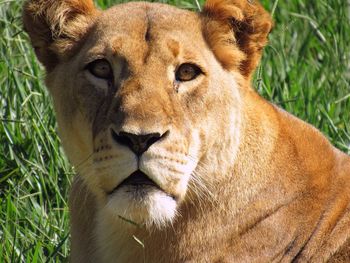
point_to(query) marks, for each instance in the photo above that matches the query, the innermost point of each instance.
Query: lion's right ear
(55, 27)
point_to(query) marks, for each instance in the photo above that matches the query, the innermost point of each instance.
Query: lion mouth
(137, 181)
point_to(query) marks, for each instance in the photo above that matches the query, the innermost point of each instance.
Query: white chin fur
(154, 208)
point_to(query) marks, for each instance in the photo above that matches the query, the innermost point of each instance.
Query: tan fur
(241, 180)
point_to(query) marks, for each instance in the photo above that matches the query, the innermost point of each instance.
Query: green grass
(306, 70)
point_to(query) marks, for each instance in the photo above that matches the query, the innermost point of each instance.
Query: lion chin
(141, 201)
(178, 158)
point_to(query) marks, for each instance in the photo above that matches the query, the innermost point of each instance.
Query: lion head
(147, 96)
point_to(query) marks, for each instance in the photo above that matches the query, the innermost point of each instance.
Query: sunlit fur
(237, 179)
(156, 208)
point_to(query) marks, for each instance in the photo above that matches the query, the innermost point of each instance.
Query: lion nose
(138, 143)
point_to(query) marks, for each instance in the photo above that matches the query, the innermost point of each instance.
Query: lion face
(144, 93)
(142, 101)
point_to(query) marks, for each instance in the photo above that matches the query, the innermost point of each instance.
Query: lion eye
(187, 72)
(101, 69)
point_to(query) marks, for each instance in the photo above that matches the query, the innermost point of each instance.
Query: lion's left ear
(236, 31)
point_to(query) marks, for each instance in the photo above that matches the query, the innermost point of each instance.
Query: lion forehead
(136, 20)
(164, 16)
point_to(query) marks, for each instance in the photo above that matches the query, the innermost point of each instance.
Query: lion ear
(55, 27)
(236, 31)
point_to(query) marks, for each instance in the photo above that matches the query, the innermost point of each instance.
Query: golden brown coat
(241, 180)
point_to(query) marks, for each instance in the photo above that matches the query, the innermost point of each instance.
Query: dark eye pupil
(187, 72)
(101, 69)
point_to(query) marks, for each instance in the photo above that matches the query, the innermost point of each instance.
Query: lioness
(179, 159)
